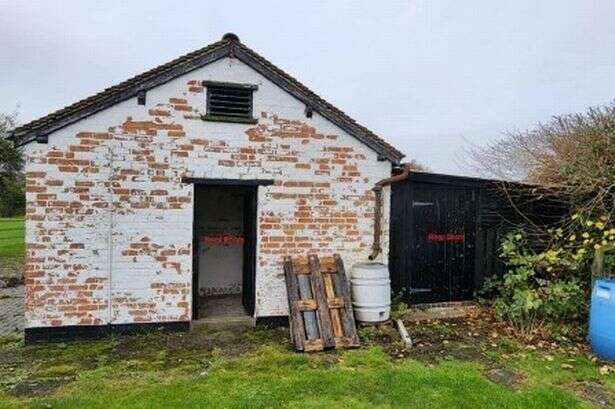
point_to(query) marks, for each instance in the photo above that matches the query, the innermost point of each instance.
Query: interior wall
(220, 233)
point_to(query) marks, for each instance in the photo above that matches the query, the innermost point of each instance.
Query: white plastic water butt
(371, 292)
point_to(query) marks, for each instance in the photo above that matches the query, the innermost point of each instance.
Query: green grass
(12, 237)
(257, 368)
(278, 378)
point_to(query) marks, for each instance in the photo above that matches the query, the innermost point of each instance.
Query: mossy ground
(257, 368)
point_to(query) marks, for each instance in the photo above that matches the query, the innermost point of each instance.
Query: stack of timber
(319, 302)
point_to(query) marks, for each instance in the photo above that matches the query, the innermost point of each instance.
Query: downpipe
(376, 248)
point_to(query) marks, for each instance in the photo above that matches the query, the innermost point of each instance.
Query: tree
(570, 161)
(417, 166)
(573, 156)
(12, 195)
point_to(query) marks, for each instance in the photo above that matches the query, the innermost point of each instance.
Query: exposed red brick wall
(110, 223)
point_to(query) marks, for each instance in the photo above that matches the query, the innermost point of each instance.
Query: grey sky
(429, 76)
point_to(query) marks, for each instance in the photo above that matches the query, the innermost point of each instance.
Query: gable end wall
(109, 223)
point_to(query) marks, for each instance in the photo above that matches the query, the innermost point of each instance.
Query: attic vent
(229, 102)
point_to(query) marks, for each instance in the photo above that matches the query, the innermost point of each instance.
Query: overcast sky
(429, 76)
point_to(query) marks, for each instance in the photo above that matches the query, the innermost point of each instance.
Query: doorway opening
(224, 242)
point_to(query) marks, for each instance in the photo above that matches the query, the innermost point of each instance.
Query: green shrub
(540, 286)
(12, 196)
(399, 307)
(12, 186)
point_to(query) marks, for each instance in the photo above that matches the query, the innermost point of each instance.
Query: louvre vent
(229, 102)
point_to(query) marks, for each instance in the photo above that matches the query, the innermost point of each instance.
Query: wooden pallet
(319, 302)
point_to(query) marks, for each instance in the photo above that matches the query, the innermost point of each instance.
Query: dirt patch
(35, 387)
(504, 376)
(432, 341)
(596, 393)
(455, 338)
(469, 337)
(12, 358)
(11, 272)
(198, 344)
(428, 313)
(10, 282)
(385, 336)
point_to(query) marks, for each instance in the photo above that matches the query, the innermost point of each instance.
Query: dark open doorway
(224, 241)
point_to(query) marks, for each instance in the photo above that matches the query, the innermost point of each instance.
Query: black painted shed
(445, 232)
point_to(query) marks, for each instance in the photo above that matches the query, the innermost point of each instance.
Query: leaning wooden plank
(336, 321)
(313, 345)
(347, 315)
(295, 319)
(309, 314)
(345, 342)
(323, 310)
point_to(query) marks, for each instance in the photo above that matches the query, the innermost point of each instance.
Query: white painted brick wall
(141, 288)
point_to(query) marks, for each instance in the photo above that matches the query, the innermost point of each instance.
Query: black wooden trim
(141, 97)
(309, 111)
(42, 138)
(250, 228)
(443, 179)
(127, 329)
(273, 321)
(229, 84)
(233, 119)
(84, 332)
(228, 182)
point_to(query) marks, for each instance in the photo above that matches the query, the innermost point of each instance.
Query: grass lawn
(256, 368)
(12, 237)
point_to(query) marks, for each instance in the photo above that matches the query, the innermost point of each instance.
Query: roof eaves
(229, 45)
(296, 88)
(120, 92)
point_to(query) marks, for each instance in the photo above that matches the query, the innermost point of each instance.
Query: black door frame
(248, 287)
(250, 237)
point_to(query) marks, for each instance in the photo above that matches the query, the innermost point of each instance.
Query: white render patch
(109, 223)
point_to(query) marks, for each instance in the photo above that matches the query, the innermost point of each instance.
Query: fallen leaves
(480, 336)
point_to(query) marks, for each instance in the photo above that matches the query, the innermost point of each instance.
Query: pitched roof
(228, 46)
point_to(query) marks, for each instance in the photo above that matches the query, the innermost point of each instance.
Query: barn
(173, 196)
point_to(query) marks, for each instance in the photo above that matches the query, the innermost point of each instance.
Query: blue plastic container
(602, 319)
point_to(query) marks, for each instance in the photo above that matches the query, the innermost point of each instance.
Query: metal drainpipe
(376, 248)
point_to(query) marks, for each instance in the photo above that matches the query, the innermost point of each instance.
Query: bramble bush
(549, 281)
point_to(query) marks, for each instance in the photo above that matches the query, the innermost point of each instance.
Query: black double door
(441, 250)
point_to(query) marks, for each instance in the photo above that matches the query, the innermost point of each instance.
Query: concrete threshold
(448, 310)
(224, 321)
